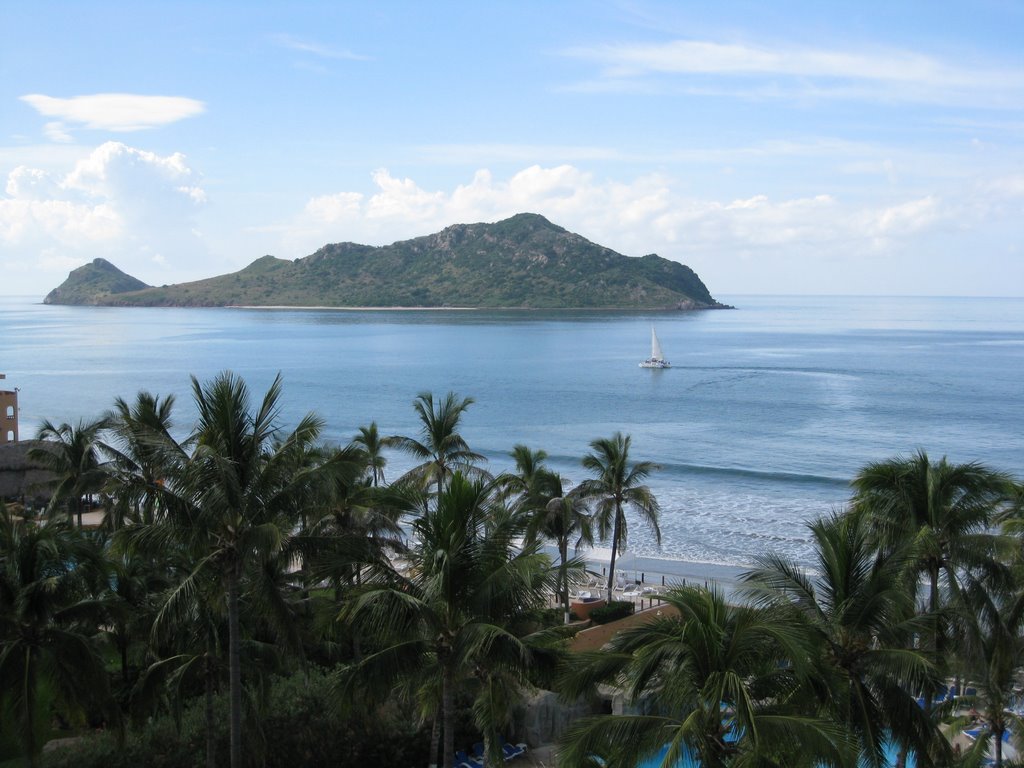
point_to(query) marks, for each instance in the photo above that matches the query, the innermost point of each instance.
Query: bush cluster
(613, 611)
(301, 727)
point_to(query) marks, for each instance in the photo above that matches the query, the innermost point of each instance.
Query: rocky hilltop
(95, 283)
(521, 262)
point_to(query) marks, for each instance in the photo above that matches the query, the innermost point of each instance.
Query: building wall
(8, 416)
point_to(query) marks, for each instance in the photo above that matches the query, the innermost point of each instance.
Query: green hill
(521, 262)
(95, 283)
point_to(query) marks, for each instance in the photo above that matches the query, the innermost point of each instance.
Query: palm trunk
(211, 742)
(29, 699)
(435, 740)
(487, 748)
(936, 640)
(563, 577)
(122, 645)
(448, 712)
(234, 667)
(616, 530)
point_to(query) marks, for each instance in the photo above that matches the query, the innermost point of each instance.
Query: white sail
(657, 358)
(656, 353)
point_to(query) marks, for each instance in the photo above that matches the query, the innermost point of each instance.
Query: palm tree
(441, 448)
(186, 641)
(46, 619)
(141, 450)
(994, 654)
(452, 609)
(944, 512)
(705, 677)
(858, 616)
(615, 489)
(229, 504)
(73, 454)
(354, 522)
(370, 441)
(530, 470)
(560, 515)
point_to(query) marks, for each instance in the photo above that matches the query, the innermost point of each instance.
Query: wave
(797, 478)
(678, 469)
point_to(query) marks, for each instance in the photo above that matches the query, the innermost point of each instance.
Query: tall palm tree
(560, 515)
(944, 512)
(370, 440)
(74, 454)
(229, 505)
(141, 449)
(993, 630)
(705, 677)
(354, 521)
(441, 449)
(47, 618)
(615, 489)
(451, 611)
(858, 615)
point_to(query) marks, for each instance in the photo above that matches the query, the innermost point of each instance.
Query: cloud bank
(753, 244)
(133, 207)
(139, 210)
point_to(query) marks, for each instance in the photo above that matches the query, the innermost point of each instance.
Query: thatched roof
(20, 477)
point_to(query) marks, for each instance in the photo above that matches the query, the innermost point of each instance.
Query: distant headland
(524, 262)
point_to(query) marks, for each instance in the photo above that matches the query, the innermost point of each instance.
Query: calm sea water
(758, 427)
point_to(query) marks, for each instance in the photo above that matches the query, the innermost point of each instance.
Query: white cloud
(55, 131)
(645, 215)
(122, 203)
(121, 112)
(317, 49)
(754, 243)
(761, 72)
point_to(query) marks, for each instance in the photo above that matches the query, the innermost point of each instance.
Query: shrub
(301, 728)
(613, 611)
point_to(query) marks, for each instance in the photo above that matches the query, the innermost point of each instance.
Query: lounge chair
(512, 751)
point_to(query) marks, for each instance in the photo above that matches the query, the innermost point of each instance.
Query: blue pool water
(689, 762)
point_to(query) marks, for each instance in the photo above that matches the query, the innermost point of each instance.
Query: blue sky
(866, 148)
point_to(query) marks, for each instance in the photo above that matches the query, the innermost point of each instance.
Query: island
(523, 262)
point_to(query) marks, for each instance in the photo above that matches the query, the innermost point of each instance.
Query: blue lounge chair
(512, 751)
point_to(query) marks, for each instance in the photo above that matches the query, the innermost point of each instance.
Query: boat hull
(655, 364)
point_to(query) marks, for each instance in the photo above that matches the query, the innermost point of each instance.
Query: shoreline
(660, 572)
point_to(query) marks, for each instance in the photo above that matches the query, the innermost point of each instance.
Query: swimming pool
(689, 762)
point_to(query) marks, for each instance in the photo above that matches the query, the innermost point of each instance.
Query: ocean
(766, 414)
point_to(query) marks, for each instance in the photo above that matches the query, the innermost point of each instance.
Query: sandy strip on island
(355, 309)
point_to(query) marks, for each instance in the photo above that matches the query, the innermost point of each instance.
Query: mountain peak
(92, 283)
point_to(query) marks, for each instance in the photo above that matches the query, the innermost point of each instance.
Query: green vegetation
(521, 262)
(613, 611)
(258, 597)
(94, 283)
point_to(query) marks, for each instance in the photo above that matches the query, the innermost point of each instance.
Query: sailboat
(657, 358)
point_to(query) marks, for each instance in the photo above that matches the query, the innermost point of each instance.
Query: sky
(784, 147)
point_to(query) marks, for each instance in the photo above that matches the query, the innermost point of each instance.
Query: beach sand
(661, 572)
